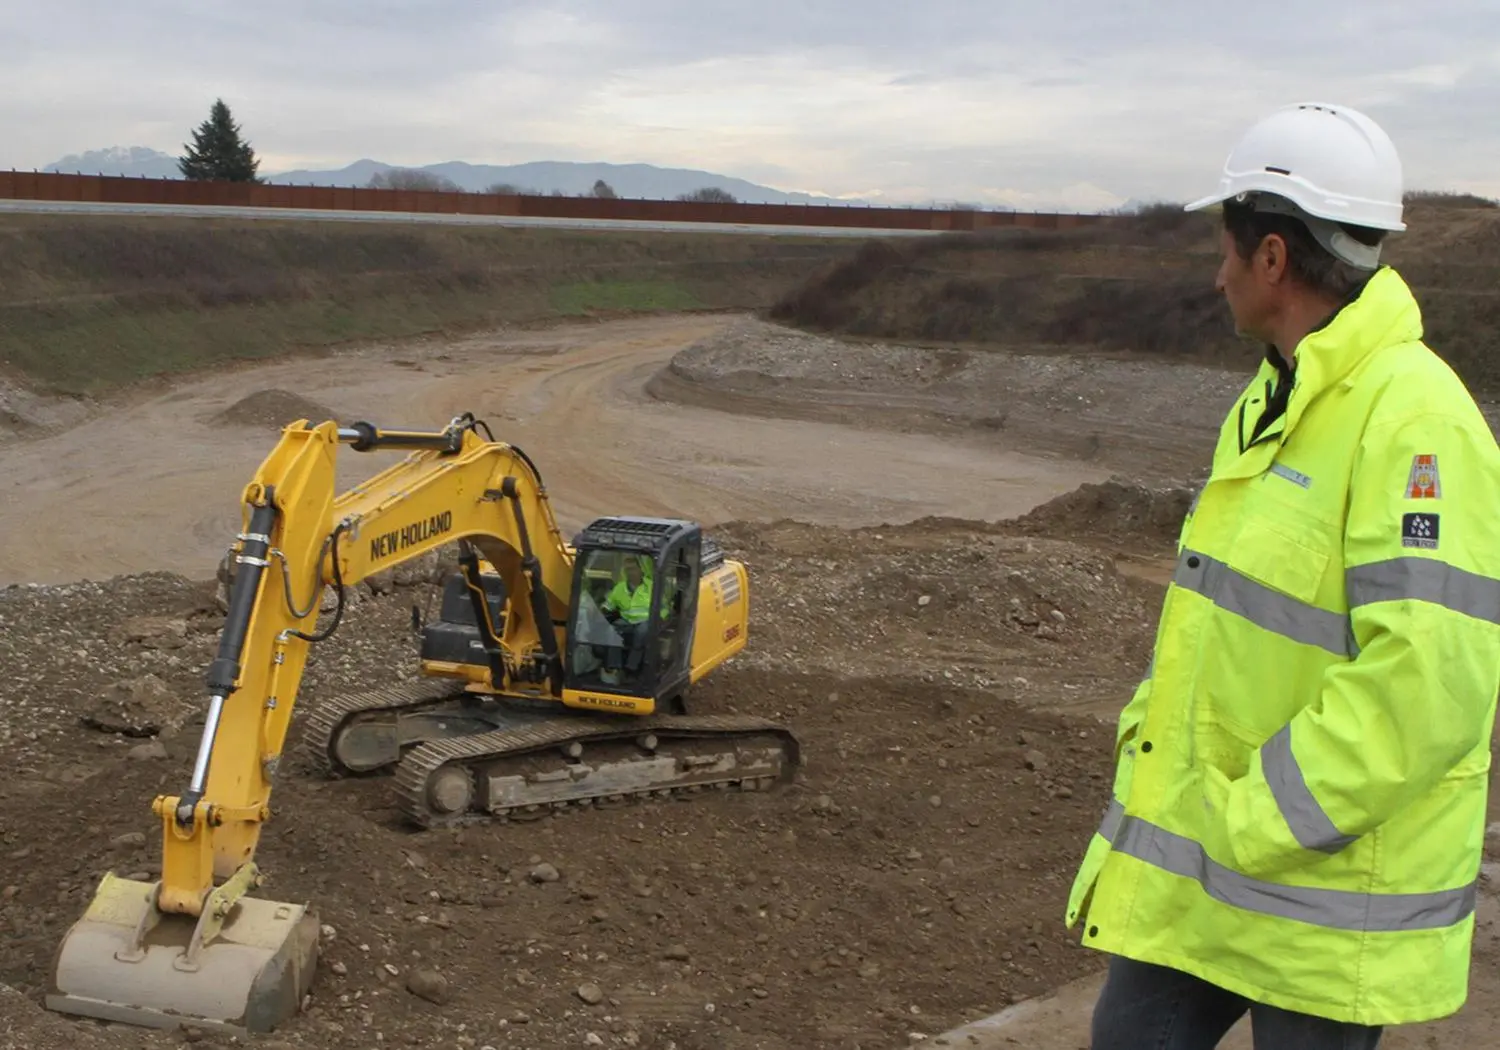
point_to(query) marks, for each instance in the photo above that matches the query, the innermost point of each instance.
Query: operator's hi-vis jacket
(1299, 798)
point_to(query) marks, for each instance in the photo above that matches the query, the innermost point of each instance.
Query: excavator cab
(609, 660)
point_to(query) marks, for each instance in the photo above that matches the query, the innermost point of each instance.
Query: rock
(924, 601)
(1035, 760)
(138, 707)
(677, 953)
(1059, 616)
(129, 840)
(151, 632)
(544, 873)
(147, 751)
(591, 993)
(594, 1039)
(428, 984)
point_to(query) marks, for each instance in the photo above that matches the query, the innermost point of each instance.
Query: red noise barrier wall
(109, 189)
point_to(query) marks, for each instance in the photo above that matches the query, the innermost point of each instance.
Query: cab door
(675, 612)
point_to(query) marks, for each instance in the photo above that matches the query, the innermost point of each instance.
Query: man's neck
(1303, 313)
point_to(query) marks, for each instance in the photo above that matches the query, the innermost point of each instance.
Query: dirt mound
(1116, 511)
(961, 603)
(1143, 287)
(273, 409)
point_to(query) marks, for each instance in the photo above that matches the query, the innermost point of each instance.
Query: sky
(1076, 103)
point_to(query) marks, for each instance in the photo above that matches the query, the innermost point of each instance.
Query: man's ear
(1271, 258)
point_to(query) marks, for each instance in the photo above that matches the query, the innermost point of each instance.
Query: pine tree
(217, 151)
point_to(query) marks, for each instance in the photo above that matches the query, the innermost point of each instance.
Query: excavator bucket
(126, 960)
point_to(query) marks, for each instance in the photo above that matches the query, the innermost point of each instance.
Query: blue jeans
(1147, 1007)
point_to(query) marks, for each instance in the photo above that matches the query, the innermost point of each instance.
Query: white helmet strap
(1325, 231)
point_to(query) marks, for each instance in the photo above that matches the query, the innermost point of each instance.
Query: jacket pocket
(1276, 558)
(1267, 645)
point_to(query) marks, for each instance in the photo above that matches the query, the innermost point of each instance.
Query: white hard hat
(1330, 161)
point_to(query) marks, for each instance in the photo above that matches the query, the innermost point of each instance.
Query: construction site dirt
(955, 563)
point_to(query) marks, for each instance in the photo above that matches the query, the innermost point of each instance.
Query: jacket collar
(1382, 313)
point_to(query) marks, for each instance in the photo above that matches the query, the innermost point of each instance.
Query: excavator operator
(626, 608)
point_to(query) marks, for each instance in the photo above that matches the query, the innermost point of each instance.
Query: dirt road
(98, 497)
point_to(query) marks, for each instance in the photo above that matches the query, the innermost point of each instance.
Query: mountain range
(640, 181)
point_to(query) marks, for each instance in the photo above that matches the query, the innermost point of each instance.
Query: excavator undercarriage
(557, 675)
(457, 758)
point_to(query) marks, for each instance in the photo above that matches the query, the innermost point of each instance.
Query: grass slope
(1145, 287)
(88, 303)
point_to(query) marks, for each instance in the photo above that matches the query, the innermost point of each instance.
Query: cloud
(1082, 103)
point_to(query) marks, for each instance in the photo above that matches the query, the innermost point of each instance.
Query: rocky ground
(908, 880)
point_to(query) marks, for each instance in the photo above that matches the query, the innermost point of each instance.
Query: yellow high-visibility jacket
(1298, 809)
(633, 606)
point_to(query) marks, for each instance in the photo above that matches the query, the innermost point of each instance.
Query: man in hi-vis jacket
(1298, 809)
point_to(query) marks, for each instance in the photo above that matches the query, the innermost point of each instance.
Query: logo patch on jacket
(1424, 482)
(1419, 530)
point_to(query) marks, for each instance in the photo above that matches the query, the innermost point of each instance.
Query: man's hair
(1310, 263)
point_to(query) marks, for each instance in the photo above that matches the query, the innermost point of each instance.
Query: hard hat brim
(1213, 200)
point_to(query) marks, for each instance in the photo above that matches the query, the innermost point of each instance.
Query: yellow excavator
(557, 674)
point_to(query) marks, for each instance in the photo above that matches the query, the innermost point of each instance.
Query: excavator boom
(195, 946)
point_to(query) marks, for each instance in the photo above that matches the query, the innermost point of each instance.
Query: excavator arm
(298, 537)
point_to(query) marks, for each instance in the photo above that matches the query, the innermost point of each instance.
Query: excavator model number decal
(388, 543)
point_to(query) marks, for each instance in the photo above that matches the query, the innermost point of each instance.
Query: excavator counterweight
(557, 675)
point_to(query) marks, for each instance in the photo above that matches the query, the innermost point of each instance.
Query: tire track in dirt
(153, 481)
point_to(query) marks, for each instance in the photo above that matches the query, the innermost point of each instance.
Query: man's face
(633, 574)
(1250, 285)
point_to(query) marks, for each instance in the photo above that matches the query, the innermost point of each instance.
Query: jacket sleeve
(1416, 699)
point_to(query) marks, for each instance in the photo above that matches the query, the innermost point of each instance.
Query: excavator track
(572, 760)
(332, 717)
(459, 760)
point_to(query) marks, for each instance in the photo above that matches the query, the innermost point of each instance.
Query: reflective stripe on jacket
(1299, 798)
